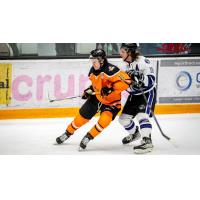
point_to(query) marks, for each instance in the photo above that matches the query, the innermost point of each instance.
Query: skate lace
(63, 137)
(129, 137)
(85, 140)
(147, 140)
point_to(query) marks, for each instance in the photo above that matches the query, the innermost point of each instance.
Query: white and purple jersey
(142, 65)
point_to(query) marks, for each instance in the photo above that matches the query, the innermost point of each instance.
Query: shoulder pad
(111, 69)
(145, 60)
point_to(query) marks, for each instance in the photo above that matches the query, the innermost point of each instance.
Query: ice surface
(37, 136)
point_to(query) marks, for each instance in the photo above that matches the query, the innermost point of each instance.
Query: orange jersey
(112, 77)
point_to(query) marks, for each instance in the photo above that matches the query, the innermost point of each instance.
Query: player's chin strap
(127, 57)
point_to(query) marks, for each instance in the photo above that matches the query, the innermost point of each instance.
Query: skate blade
(55, 143)
(81, 149)
(142, 151)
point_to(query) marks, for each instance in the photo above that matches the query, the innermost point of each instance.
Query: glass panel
(77, 50)
(110, 48)
(4, 49)
(46, 49)
(65, 49)
(85, 48)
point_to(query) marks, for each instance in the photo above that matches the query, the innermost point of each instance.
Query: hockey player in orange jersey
(104, 96)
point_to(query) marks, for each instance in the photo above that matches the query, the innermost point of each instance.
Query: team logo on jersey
(111, 68)
(147, 61)
(142, 107)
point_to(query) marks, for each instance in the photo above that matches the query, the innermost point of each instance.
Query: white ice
(37, 137)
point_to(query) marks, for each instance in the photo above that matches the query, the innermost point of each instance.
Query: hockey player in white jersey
(141, 100)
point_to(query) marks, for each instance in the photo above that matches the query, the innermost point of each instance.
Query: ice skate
(62, 138)
(84, 142)
(146, 146)
(132, 137)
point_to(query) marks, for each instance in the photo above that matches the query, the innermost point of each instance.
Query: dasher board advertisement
(179, 81)
(36, 82)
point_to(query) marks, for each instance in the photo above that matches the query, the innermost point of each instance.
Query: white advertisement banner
(179, 81)
(35, 82)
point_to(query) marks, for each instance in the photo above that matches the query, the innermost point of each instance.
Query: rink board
(71, 112)
(35, 82)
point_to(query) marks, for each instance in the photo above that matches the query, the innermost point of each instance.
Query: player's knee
(80, 121)
(141, 116)
(105, 119)
(125, 119)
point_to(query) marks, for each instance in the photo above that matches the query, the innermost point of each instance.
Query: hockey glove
(137, 78)
(88, 92)
(105, 91)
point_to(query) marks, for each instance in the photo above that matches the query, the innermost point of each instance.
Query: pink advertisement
(36, 82)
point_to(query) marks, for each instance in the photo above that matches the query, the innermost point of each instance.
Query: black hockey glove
(105, 91)
(137, 78)
(88, 92)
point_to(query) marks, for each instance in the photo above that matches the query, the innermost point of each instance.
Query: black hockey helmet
(98, 53)
(129, 46)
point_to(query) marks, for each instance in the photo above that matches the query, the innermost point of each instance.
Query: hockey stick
(146, 101)
(154, 117)
(67, 98)
(53, 100)
(158, 125)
